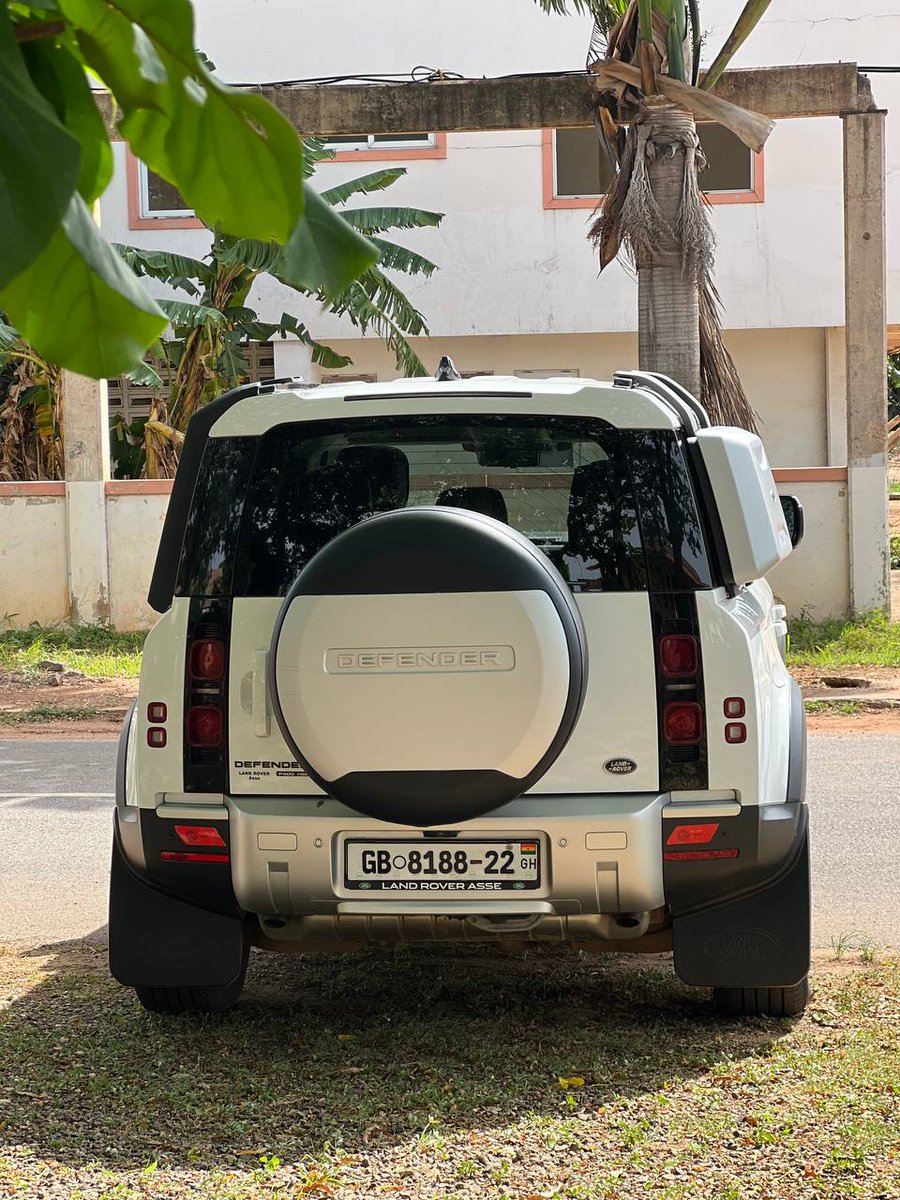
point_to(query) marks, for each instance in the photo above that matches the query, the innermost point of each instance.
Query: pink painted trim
(138, 487)
(755, 196)
(135, 218)
(810, 474)
(47, 487)
(392, 153)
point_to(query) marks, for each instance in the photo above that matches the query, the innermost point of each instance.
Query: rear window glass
(263, 507)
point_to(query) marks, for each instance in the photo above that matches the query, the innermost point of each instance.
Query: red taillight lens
(208, 659)
(191, 857)
(678, 655)
(204, 725)
(697, 855)
(683, 723)
(199, 835)
(692, 835)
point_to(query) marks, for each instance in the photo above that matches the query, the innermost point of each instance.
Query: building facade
(517, 290)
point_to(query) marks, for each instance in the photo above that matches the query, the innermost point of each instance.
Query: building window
(577, 175)
(159, 198)
(388, 147)
(153, 203)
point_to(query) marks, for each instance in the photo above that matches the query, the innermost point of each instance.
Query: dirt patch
(885, 721)
(109, 697)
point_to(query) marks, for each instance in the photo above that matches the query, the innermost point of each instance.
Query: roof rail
(690, 412)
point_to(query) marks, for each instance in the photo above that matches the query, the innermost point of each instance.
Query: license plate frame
(485, 882)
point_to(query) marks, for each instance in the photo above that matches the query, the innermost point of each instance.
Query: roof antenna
(446, 370)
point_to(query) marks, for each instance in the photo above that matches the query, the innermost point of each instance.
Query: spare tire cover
(428, 665)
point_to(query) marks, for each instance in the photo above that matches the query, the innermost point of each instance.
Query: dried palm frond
(722, 393)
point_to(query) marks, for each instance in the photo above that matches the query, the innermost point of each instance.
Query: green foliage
(893, 380)
(836, 643)
(204, 355)
(96, 651)
(238, 163)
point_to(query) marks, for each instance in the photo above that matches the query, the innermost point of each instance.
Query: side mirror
(793, 516)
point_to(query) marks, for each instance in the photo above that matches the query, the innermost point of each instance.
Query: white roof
(622, 407)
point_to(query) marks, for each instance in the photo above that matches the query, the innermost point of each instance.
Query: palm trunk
(668, 295)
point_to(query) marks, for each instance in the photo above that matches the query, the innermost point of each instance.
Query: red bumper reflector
(188, 856)
(156, 713)
(205, 725)
(683, 723)
(678, 654)
(696, 855)
(199, 835)
(692, 835)
(734, 707)
(156, 737)
(735, 733)
(208, 659)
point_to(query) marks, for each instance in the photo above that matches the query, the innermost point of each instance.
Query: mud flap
(759, 939)
(156, 940)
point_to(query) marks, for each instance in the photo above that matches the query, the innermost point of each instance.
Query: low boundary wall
(36, 559)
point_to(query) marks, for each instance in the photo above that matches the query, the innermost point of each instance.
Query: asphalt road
(55, 825)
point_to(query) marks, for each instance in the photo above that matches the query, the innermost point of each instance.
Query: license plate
(453, 866)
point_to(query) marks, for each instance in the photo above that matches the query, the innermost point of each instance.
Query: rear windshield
(613, 510)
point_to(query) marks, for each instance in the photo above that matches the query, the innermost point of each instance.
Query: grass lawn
(874, 642)
(98, 653)
(103, 653)
(446, 1073)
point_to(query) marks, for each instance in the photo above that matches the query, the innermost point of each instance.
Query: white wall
(134, 523)
(33, 558)
(34, 587)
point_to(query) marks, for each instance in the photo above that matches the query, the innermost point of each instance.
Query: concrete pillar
(836, 396)
(85, 422)
(293, 359)
(866, 321)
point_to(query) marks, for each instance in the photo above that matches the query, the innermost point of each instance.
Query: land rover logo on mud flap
(418, 660)
(740, 944)
(620, 766)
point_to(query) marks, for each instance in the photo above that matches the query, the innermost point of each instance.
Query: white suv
(484, 660)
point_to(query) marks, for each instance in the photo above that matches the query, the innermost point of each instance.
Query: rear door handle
(262, 717)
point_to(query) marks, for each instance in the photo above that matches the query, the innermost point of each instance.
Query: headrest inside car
(386, 470)
(485, 500)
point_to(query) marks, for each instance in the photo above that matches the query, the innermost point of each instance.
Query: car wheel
(762, 1001)
(176, 1000)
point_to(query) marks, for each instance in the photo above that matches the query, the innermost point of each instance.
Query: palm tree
(644, 59)
(210, 327)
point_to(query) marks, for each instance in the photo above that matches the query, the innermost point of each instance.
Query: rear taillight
(683, 723)
(199, 835)
(207, 659)
(206, 695)
(191, 857)
(678, 655)
(205, 725)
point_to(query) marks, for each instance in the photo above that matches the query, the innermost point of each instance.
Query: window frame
(138, 209)
(389, 151)
(754, 195)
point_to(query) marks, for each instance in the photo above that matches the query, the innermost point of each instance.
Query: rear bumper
(600, 855)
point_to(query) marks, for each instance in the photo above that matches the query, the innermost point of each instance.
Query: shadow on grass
(356, 1052)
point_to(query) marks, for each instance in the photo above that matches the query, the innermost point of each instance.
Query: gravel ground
(435, 1075)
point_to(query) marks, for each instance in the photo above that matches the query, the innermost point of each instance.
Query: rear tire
(763, 1001)
(177, 1000)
